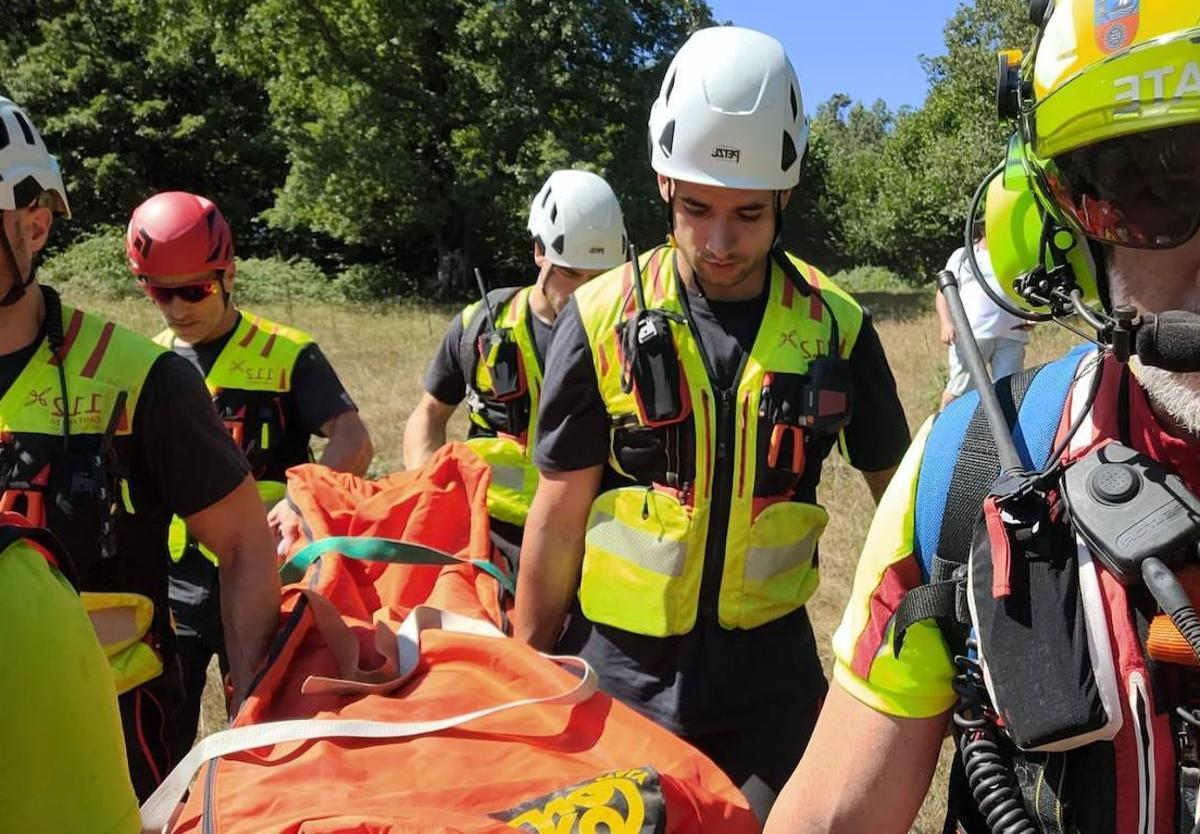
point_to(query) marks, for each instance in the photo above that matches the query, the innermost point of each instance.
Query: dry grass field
(380, 354)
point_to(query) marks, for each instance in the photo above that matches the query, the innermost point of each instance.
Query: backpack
(1081, 788)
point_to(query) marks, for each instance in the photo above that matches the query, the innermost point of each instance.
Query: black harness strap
(943, 597)
(468, 352)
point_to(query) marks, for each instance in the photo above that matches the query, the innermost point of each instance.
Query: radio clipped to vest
(650, 366)
(500, 354)
(825, 395)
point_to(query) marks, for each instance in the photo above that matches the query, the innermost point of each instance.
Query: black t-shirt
(712, 679)
(178, 459)
(316, 395)
(446, 380)
(573, 431)
(11, 365)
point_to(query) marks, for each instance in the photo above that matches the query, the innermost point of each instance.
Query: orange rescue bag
(415, 713)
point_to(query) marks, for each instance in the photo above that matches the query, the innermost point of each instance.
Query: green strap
(391, 551)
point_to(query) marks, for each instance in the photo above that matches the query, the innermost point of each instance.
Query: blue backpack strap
(960, 449)
(959, 467)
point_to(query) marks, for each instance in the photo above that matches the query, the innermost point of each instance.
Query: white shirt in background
(987, 320)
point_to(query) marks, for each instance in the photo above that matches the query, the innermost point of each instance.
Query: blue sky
(865, 48)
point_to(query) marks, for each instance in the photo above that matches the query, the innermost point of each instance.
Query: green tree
(902, 181)
(422, 136)
(135, 102)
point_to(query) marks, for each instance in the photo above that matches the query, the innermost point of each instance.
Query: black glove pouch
(1031, 623)
(650, 368)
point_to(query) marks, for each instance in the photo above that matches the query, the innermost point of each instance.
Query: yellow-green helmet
(1102, 75)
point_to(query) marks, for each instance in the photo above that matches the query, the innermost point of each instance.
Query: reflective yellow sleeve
(917, 684)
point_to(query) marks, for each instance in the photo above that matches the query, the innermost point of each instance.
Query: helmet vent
(670, 89)
(554, 213)
(3, 134)
(26, 191)
(546, 196)
(666, 139)
(216, 251)
(795, 107)
(25, 128)
(789, 152)
(558, 244)
(210, 218)
(143, 243)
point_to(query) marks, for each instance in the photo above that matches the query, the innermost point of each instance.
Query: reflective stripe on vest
(514, 477)
(260, 356)
(645, 545)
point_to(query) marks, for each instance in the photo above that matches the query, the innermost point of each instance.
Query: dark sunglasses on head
(1141, 191)
(191, 293)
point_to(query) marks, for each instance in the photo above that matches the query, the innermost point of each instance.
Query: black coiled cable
(991, 779)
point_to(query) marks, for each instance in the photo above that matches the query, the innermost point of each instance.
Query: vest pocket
(778, 573)
(641, 568)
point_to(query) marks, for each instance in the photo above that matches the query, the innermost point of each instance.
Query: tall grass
(380, 352)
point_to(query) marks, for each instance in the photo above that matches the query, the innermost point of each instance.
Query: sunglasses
(1140, 191)
(191, 293)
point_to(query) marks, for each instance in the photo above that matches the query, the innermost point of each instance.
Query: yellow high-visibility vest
(506, 448)
(102, 361)
(63, 767)
(248, 382)
(646, 545)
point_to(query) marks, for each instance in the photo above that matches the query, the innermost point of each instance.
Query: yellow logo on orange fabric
(622, 802)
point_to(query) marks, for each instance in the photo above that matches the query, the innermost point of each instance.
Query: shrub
(373, 282)
(870, 279)
(274, 280)
(95, 266)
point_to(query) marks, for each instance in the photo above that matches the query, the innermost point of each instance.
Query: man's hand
(425, 431)
(285, 525)
(235, 528)
(552, 554)
(947, 333)
(349, 448)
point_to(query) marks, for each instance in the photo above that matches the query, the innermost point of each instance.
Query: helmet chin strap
(20, 285)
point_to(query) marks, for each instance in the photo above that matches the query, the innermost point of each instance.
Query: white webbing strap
(160, 809)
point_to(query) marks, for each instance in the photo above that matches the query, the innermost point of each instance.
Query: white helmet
(26, 168)
(730, 113)
(578, 221)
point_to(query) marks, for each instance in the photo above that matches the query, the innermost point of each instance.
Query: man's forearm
(249, 608)
(548, 579)
(349, 448)
(422, 437)
(943, 311)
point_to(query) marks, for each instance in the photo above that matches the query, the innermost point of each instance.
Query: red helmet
(177, 233)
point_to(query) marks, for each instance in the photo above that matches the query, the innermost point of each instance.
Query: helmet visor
(1140, 191)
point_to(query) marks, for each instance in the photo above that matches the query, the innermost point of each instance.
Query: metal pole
(968, 352)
